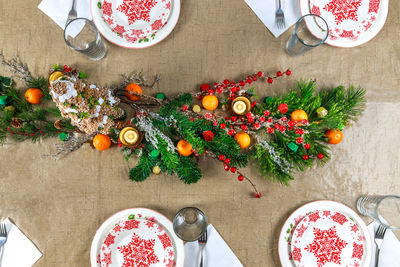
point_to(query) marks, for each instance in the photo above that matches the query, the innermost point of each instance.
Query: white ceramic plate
(135, 214)
(114, 35)
(298, 215)
(351, 23)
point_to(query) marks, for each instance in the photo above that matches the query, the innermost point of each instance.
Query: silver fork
(280, 17)
(72, 13)
(379, 235)
(3, 239)
(202, 244)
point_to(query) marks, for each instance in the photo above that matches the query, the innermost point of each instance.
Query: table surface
(59, 204)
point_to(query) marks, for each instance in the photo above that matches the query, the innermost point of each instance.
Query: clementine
(298, 115)
(33, 95)
(135, 88)
(210, 102)
(184, 148)
(101, 142)
(335, 136)
(243, 139)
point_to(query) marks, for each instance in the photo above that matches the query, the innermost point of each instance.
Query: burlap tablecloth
(60, 204)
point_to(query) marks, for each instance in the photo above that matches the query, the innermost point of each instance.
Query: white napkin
(265, 11)
(390, 249)
(216, 252)
(19, 251)
(58, 11)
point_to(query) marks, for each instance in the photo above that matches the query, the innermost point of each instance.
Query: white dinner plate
(298, 215)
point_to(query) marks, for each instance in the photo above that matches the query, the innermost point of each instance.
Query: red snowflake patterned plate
(135, 23)
(126, 235)
(285, 238)
(351, 22)
(328, 237)
(137, 242)
(135, 20)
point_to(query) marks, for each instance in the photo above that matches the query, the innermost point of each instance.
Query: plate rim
(367, 38)
(176, 7)
(306, 208)
(101, 229)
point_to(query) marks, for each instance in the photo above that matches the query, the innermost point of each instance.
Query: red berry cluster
(25, 134)
(67, 68)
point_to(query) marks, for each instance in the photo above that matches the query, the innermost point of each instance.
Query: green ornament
(63, 136)
(154, 153)
(292, 146)
(322, 112)
(267, 99)
(3, 99)
(10, 109)
(160, 96)
(340, 126)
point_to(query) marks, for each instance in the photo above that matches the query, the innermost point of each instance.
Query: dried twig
(15, 66)
(70, 145)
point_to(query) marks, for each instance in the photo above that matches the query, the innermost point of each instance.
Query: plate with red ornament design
(136, 237)
(135, 23)
(328, 237)
(287, 235)
(351, 22)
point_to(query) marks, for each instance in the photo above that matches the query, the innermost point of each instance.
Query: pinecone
(119, 125)
(57, 124)
(16, 122)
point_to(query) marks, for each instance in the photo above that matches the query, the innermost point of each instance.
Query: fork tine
(3, 230)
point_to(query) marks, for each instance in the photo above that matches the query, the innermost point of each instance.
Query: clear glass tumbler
(190, 223)
(310, 31)
(82, 35)
(383, 209)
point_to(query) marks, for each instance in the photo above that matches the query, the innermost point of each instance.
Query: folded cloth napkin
(18, 251)
(216, 252)
(265, 11)
(58, 11)
(390, 249)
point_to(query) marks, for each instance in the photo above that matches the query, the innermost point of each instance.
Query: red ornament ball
(288, 72)
(291, 123)
(233, 169)
(256, 126)
(270, 130)
(282, 129)
(226, 81)
(299, 140)
(257, 195)
(222, 125)
(221, 157)
(320, 156)
(307, 146)
(242, 83)
(227, 160)
(267, 112)
(283, 108)
(305, 157)
(231, 132)
(226, 167)
(279, 73)
(260, 74)
(249, 81)
(244, 127)
(262, 119)
(270, 80)
(240, 177)
(204, 87)
(208, 135)
(254, 78)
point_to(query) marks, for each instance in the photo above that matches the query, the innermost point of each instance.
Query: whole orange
(101, 142)
(184, 148)
(210, 102)
(299, 115)
(33, 95)
(334, 136)
(243, 139)
(135, 88)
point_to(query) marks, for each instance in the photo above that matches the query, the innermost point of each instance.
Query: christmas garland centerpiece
(282, 134)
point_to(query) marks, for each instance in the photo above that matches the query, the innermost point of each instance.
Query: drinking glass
(383, 209)
(310, 31)
(82, 35)
(190, 223)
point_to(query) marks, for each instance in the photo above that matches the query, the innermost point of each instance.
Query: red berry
(283, 108)
(240, 177)
(226, 81)
(242, 83)
(210, 91)
(262, 119)
(290, 128)
(226, 118)
(282, 129)
(219, 90)
(254, 78)
(260, 74)
(267, 112)
(227, 160)
(184, 107)
(320, 156)
(208, 136)
(232, 83)
(283, 119)
(291, 123)
(226, 167)
(270, 130)
(299, 140)
(256, 126)
(304, 121)
(233, 118)
(305, 157)
(251, 120)
(199, 97)
(279, 74)
(257, 195)
(249, 115)
(244, 127)
(249, 81)
(231, 132)
(65, 66)
(276, 125)
(233, 169)
(253, 104)
(270, 120)
(224, 86)
(222, 125)
(288, 72)
(216, 84)
(307, 146)
(221, 157)
(232, 94)
(233, 89)
(270, 80)
(69, 69)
